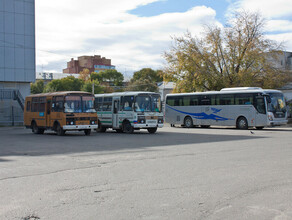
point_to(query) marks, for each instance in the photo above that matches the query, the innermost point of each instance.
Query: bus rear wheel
(188, 122)
(152, 130)
(127, 128)
(241, 123)
(36, 129)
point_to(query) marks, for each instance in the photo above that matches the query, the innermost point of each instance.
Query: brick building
(94, 63)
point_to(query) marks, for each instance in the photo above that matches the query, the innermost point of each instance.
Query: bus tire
(127, 127)
(119, 130)
(241, 123)
(100, 127)
(188, 122)
(36, 129)
(87, 132)
(152, 130)
(60, 131)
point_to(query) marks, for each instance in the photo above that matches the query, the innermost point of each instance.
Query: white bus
(129, 111)
(242, 107)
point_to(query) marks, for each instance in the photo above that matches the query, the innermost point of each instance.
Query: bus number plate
(151, 122)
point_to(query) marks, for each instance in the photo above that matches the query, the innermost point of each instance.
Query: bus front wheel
(100, 127)
(188, 122)
(60, 131)
(127, 128)
(241, 123)
(152, 130)
(87, 132)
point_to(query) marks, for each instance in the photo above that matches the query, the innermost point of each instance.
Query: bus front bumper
(277, 123)
(79, 127)
(148, 126)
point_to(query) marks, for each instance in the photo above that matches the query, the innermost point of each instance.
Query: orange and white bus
(60, 112)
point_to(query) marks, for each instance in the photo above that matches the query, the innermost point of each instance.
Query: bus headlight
(160, 120)
(70, 121)
(270, 117)
(141, 120)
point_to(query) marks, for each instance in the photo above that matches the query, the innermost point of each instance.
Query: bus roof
(230, 91)
(130, 93)
(60, 93)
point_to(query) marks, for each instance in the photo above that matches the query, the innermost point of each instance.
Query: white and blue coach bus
(129, 111)
(242, 107)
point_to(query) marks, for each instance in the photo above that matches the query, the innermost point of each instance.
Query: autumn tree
(145, 79)
(84, 75)
(236, 55)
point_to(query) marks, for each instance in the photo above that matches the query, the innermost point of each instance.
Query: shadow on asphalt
(21, 142)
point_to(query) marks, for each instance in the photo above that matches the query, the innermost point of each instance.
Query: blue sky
(135, 33)
(160, 7)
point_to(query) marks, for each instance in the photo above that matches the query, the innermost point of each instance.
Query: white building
(17, 57)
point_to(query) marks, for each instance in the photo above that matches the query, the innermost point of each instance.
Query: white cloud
(71, 28)
(268, 8)
(279, 25)
(277, 15)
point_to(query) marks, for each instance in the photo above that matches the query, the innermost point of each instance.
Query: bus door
(48, 113)
(261, 112)
(115, 115)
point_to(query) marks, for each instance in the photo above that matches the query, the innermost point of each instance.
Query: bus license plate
(152, 122)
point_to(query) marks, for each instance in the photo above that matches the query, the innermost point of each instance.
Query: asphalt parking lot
(177, 173)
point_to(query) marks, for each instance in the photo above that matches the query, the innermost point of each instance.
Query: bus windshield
(88, 104)
(74, 104)
(156, 103)
(147, 103)
(143, 104)
(277, 103)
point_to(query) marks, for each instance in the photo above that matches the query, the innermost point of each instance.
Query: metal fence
(10, 112)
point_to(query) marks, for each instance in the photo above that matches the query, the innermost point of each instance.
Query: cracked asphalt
(177, 173)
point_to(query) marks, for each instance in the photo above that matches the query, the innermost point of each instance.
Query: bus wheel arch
(241, 123)
(35, 129)
(127, 127)
(100, 127)
(188, 122)
(57, 127)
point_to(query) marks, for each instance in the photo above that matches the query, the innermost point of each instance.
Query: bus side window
(34, 106)
(205, 100)
(128, 103)
(58, 104)
(28, 106)
(226, 99)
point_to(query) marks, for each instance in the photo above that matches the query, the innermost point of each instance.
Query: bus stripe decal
(202, 115)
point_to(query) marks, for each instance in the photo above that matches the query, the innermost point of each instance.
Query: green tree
(87, 87)
(111, 76)
(145, 79)
(236, 55)
(69, 83)
(37, 87)
(143, 85)
(148, 73)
